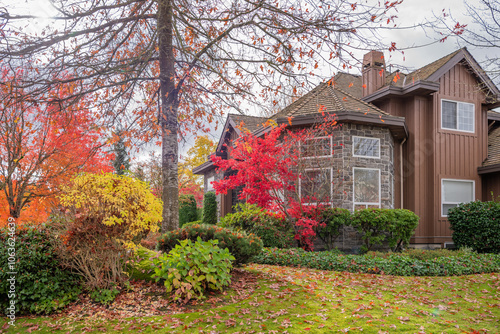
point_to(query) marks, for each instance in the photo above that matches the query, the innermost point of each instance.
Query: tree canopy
(167, 66)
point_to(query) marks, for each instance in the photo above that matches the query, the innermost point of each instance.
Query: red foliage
(269, 169)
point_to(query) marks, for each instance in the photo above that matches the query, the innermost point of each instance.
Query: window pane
(457, 191)
(368, 147)
(447, 207)
(210, 187)
(466, 117)
(449, 111)
(316, 147)
(316, 185)
(366, 185)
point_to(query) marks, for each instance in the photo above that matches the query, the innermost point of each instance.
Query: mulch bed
(149, 299)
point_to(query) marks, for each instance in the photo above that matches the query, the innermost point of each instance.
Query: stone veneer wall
(343, 163)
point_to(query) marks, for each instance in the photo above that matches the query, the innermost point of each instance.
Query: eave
(416, 88)
(488, 169)
(396, 125)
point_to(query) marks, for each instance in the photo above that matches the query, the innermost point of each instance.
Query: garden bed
(399, 264)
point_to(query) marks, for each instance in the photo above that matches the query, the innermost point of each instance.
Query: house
(426, 140)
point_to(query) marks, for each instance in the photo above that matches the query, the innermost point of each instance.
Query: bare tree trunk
(168, 120)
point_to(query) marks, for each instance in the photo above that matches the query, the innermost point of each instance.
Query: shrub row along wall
(476, 225)
(373, 228)
(393, 264)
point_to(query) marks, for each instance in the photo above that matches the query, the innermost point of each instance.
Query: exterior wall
(491, 184)
(457, 154)
(431, 153)
(384, 163)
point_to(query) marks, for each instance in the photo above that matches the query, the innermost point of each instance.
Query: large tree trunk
(168, 119)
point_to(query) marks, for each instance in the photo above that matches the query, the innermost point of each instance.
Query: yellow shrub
(114, 200)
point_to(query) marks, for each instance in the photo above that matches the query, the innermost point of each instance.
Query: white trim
(365, 156)
(354, 203)
(331, 185)
(457, 103)
(456, 180)
(319, 156)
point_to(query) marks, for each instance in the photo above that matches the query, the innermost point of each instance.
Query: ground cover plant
(401, 264)
(270, 299)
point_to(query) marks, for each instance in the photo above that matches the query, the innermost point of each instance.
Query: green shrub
(41, 284)
(191, 269)
(272, 229)
(241, 245)
(104, 296)
(187, 209)
(476, 225)
(141, 264)
(402, 228)
(334, 219)
(374, 225)
(392, 264)
(210, 208)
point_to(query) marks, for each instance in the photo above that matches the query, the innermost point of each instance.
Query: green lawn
(312, 301)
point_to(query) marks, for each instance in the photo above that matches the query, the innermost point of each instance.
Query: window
(210, 179)
(366, 147)
(366, 186)
(315, 185)
(454, 192)
(457, 116)
(317, 147)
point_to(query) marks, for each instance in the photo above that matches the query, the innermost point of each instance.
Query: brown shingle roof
(493, 148)
(250, 122)
(425, 72)
(327, 98)
(349, 83)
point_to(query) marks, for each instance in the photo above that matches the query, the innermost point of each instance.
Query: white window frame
(457, 180)
(320, 156)
(457, 103)
(210, 179)
(354, 203)
(331, 186)
(365, 156)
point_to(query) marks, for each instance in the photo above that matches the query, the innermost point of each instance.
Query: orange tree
(166, 66)
(41, 147)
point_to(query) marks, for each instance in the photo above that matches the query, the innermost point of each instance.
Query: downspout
(401, 169)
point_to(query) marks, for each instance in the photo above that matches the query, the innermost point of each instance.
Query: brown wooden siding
(491, 183)
(457, 154)
(431, 154)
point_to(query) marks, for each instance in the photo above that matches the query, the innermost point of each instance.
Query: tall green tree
(121, 161)
(171, 65)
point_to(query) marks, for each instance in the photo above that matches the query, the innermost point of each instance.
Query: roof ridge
(339, 104)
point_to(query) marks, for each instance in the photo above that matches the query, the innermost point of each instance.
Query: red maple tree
(271, 170)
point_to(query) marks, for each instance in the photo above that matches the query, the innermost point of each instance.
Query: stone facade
(341, 165)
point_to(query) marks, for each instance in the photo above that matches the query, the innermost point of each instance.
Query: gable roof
(425, 80)
(492, 163)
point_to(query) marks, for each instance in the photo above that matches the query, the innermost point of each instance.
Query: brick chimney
(373, 73)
